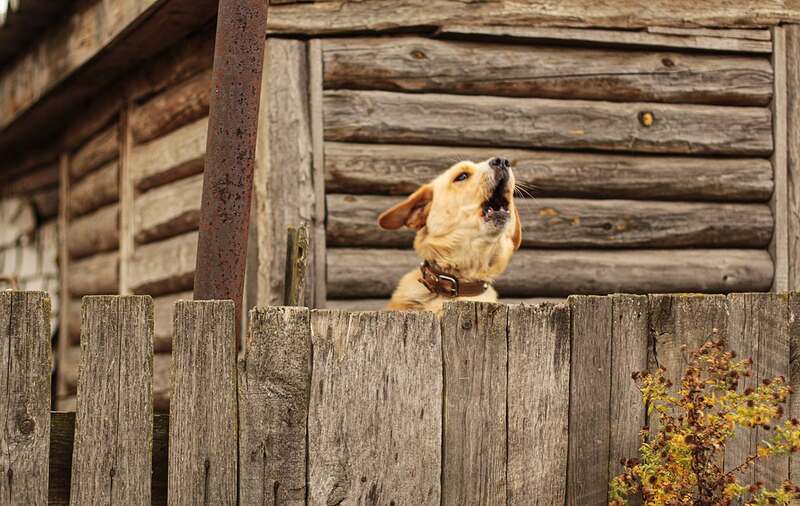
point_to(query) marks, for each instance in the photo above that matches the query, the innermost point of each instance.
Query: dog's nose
(498, 163)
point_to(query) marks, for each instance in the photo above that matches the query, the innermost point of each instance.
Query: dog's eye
(461, 177)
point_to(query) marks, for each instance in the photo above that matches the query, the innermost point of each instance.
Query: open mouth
(495, 209)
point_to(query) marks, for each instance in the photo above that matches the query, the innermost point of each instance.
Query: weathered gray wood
(597, 37)
(94, 190)
(380, 304)
(95, 275)
(793, 411)
(25, 363)
(283, 180)
(274, 385)
(298, 245)
(379, 116)
(733, 33)
(203, 429)
(95, 232)
(590, 390)
(538, 404)
(168, 210)
(399, 170)
(758, 328)
(178, 105)
(423, 64)
(112, 459)
(315, 85)
(570, 223)
(779, 203)
(102, 148)
(474, 451)
(165, 266)
(374, 273)
(176, 155)
(792, 49)
(629, 351)
(375, 413)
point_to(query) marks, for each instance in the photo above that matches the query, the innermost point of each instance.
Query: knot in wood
(466, 324)
(419, 55)
(646, 118)
(25, 424)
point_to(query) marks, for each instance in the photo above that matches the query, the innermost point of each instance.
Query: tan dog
(467, 229)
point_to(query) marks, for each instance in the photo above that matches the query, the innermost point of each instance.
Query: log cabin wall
(649, 154)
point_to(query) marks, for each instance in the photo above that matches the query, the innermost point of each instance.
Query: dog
(468, 227)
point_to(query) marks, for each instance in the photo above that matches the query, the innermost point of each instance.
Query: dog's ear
(517, 236)
(412, 212)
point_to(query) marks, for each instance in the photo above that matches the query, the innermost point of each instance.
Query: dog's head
(466, 220)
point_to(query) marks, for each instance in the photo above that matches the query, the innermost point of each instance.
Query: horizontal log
(380, 304)
(379, 116)
(168, 210)
(577, 223)
(176, 106)
(374, 273)
(95, 232)
(102, 148)
(422, 64)
(95, 275)
(164, 320)
(38, 178)
(165, 266)
(176, 155)
(399, 170)
(613, 38)
(94, 190)
(733, 33)
(46, 202)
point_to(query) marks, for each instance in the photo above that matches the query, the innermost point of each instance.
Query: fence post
(203, 425)
(274, 382)
(112, 456)
(25, 362)
(475, 351)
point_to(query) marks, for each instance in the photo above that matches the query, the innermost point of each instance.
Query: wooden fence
(493, 405)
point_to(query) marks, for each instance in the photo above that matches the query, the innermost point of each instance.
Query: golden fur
(453, 233)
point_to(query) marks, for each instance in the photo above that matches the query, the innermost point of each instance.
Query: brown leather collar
(443, 284)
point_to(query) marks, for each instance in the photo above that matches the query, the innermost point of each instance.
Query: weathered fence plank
(203, 420)
(475, 351)
(538, 403)
(274, 382)
(374, 425)
(112, 459)
(794, 372)
(25, 362)
(590, 388)
(380, 116)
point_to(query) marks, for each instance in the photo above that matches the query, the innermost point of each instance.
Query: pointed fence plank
(111, 461)
(203, 419)
(538, 403)
(475, 351)
(274, 381)
(374, 424)
(590, 389)
(25, 362)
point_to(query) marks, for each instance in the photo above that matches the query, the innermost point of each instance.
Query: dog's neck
(442, 283)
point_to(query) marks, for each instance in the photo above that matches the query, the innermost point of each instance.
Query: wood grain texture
(95, 275)
(732, 33)
(793, 154)
(573, 223)
(779, 203)
(538, 403)
(375, 413)
(380, 304)
(179, 154)
(94, 190)
(629, 351)
(420, 64)
(100, 149)
(168, 210)
(112, 458)
(95, 232)
(174, 107)
(590, 391)
(274, 386)
(474, 452)
(343, 16)
(399, 170)
(380, 116)
(283, 178)
(25, 364)
(758, 328)
(374, 273)
(164, 267)
(203, 429)
(793, 411)
(612, 38)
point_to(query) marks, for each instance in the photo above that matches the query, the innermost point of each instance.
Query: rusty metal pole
(230, 151)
